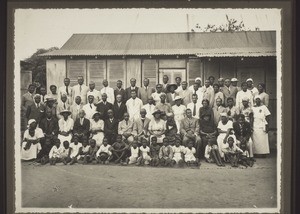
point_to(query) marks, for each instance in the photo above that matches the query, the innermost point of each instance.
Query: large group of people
(171, 124)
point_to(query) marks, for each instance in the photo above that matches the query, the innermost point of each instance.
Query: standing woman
(157, 127)
(260, 128)
(31, 141)
(261, 87)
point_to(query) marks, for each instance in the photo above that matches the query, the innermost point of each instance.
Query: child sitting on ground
(54, 154)
(145, 153)
(212, 154)
(189, 155)
(154, 152)
(104, 154)
(84, 151)
(245, 156)
(178, 154)
(119, 150)
(91, 154)
(76, 149)
(64, 153)
(166, 153)
(232, 152)
(134, 153)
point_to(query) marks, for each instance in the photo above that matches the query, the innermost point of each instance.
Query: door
(172, 74)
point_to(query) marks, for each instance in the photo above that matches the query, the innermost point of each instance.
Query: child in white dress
(65, 152)
(178, 153)
(84, 151)
(189, 155)
(75, 151)
(103, 154)
(145, 153)
(54, 153)
(135, 150)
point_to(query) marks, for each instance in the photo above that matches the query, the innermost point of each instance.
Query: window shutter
(194, 70)
(96, 72)
(116, 71)
(76, 68)
(149, 70)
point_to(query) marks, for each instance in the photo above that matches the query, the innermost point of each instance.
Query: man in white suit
(89, 108)
(80, 90)
(66, 89)
(134, 105)
(108, 91)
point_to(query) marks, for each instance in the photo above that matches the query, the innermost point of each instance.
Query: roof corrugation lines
(248, 43)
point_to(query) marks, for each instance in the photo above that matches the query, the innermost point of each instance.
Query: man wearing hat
(149, 107)
(62, 105)
(244, 93)
(197, 90)
(81, 127)
(89, 108)
(36, 110)
(65, 125)
(185, 94)
(94, 92)
(171, 94)
(146, 91)
(229, 91)
(163, 105)
(80, 90)
(179, 111)
(66, 89)
(234, 83)
(140, 127)
(251, 87)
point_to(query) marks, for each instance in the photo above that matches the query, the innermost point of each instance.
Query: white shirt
(199, 93)
(75, 149)
(178, 89)
(254, 91)
(104, 149)
(198, 106)
(225, 127)
(150, 109)
(145, 151)
(134, 152)
(89, 111)
(179, 112)
(96, 94)
(156, 97)
(240, 95)
(82, 93)
(65, 125)
(133, 107)
(54, 152)
(62, 90)
(110, 94)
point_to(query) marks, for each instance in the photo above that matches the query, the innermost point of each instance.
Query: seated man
(103, 106)
(81, 127)
(111, 127)
(49, 125)
(242, 130)
(125, 129)
(140, 127)
(189, 129)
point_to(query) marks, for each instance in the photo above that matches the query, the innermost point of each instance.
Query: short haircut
(244, 83)
(53, 86)
(229, 98)
(211, 77)
(177, 78)
(195, 95)
(119, 81)
(205, 100)
(30, 85)
(216, 84)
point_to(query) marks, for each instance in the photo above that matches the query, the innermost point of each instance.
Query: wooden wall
(56, 72)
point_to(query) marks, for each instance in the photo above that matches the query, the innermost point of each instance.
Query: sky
(45, 28)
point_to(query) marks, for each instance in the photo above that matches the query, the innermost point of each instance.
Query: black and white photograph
(148, 110)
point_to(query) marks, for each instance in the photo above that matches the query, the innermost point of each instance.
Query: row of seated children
(120, 152)
(231, 153)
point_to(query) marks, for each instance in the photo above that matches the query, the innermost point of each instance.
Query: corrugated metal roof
(250, 43)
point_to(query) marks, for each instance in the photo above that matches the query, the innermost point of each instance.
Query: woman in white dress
(97, 129)
(157, 127)
(31, 141)
(260, 128)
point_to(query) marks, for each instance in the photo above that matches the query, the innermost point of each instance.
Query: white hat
(223, 114)
(221, 79)
(177, 98)
(234, 79)
(249, 79)
(198, 78)
(31, 121)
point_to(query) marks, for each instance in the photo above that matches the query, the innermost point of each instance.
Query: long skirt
(30, 153)
(98, 138)
(260, 141)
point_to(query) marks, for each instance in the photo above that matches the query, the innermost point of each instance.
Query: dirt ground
(105, 186)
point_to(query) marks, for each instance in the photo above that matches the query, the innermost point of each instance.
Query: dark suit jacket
(246, 132)
(119, 112)
(35, 113)
(128, 93)
(84, 128)
(171, 132)
(121, 92)
(144, 95)
(102, 108)
(111, 128)
(50, 126)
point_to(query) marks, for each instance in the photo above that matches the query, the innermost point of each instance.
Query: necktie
(127, 123)
(67, 90)
(80, 88)
(64, 106)
(91, 106)
(194, 111)
(146, 88)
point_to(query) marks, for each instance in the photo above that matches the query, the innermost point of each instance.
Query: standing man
(156, 95)
(178, 83)
(146, 91)
(149, 107)
(211, 80)
(234, 82)
(80, 90)
(251, 87)
(120, 91)
(132, 87)
(195, 106)
(89, 108)
(244, 93)
(108, 91)
(134, 105)
(208, 93)
(185, 94)
(119, 108)
(43, 94)
(103, 106)
(197, 89)
(36, 110)
(199, 81)
(53, 92)
(165, 83)
(66, 89)
(229, 91)
(62, 105)
(163, 106)
(76, 107)
(94, 92)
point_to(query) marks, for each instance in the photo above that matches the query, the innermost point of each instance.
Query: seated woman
(208, 132)
(97, 129)
(157, 127)
(31, 141)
